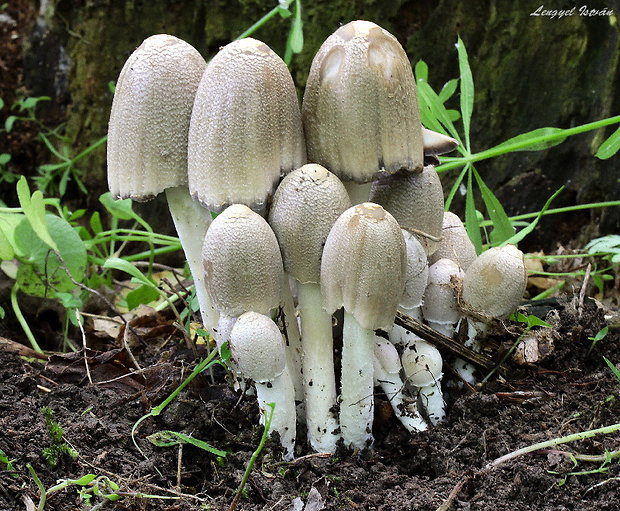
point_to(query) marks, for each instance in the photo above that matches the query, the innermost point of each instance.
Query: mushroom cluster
(360, 228)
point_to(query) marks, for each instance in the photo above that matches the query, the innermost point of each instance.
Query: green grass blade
(116, 263)
(421, 71)
(502, 228)
(34, 209)
(535, 140)
(454, 189)
(526, 230)
(467, 90)
(169, 438)
(613, 368)
(610, 146)
(471, 219)
(433, 111)
(448, 90)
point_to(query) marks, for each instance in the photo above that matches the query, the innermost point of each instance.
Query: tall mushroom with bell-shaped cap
(147, 141)
(258, 349)
(363, 269)
(242, 265)
(360, 108)
(305, 207)
(245, 130)
(416, 201)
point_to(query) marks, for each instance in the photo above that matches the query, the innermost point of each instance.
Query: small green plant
(612, 368)
(600, 335)
(58, 447)
(436, 116)
(8, 464)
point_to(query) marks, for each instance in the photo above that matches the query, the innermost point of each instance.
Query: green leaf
(28, 103)
(34, 209)
(502, 228)
(467, 89)
(296, 37)
(69, 301)
(433, 113)
(83, 481)
(117, 263)
(121, 209)
(6, 249)
(514, 240)
(421, 71)
(448, 90)
(95, 223)
(2, 313)
(535, 140)
(4, 159)
(9, 122)
(171, 438)
(472, 225)
(8, 223)
(42, 272)
(610, 146)
(1, 103)
(613, 368)
(141, 295)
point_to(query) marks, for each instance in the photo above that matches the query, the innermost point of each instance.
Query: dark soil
(567, 392)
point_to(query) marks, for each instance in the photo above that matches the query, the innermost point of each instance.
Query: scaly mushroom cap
(422, 363)
(245, 129)
(455, 243)
(440, 304)
(305, 206)
(360, 108)
(415, 200)
(364, 265)
(495, 282)
(416, 278)
(242, 262)
(149, 122)
(257, 347)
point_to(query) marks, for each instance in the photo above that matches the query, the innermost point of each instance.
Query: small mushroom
(455, 243)
(245, 130)
(363, 269)
(242, 265)
(387, 368)
(422, 364)
(147, 141)
(258, 349)
(305, 207)
(440, 308)
(416, 201)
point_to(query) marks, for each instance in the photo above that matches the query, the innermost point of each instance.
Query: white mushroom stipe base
(258, 349)
(387, 368)
(422, 365)
(363, 269)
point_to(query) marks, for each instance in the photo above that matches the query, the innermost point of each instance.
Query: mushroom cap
(305, 206)
(245, 130)
(437, 143)
(257, 347)
(360, 108)
(422, 363)
(149, 121)
(364, 265)
(387, 355)
(242, 262)
(415, 200)
(455, 243)
(495, 282)
(440, 304)
(416, 277)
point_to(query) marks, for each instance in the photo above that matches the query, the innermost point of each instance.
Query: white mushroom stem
(358, 192)
(318, 361)
(192, 221)
(281, 392)
(387, 369)
(294, 350)
(357, 406)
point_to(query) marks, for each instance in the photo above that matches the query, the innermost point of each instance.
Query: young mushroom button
(257, 347)
(363, 269)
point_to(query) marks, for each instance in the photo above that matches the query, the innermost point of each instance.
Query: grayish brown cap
(360, 108)
(242, 263)
(305, 206)
(440, 304)
(416, 201)
(245, 130)
(455, 243)
(149, 122)
(495, 282)
(364, 266)
(257, 347)
(417, 273)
